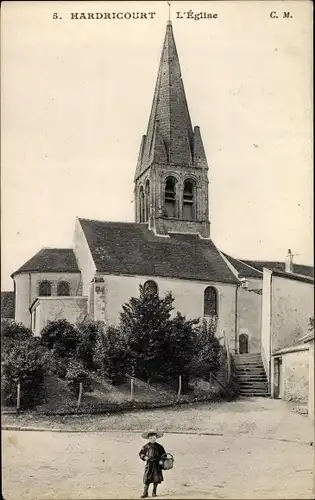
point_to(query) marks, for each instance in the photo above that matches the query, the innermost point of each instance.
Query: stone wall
(157, 175)
(73, 309)
(295, 376)
(99, 299)
(292, 306)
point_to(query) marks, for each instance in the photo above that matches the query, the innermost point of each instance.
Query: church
(168, 247)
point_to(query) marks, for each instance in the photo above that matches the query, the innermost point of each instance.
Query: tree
(26, 363)
(311, 324)
(144, 322)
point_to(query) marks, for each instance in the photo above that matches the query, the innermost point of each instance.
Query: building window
(243, 343)
(189, 206)
(150, 288)
(63, 288)
(170, 198)
(44, 289)
(147, 201)
(210, 302)
(141, 204)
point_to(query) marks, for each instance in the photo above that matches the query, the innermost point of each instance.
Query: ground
(255, 448)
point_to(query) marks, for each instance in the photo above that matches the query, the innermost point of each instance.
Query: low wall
(295, 376)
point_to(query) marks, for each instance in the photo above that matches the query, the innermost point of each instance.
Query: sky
(76, 97)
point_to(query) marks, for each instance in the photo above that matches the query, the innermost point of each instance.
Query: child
(151, 453)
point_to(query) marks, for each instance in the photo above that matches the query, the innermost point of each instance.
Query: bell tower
(171, 179)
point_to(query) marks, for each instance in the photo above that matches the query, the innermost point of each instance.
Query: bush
(111, 354)
(11, 335)
(88, 333)
(180, 347)
(209, 355)
(25, 363)
(76, 373)
(59, 366)
(61, 337)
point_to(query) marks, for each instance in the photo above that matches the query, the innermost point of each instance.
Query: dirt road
(255, 463)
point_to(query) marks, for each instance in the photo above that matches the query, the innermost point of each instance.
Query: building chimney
(289, 262)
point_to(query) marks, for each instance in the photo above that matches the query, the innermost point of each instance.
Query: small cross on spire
(169, 11)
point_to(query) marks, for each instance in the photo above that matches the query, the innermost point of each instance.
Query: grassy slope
(58, 395)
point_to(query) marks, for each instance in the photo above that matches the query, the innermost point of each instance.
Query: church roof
(170, 137)
(7, 305)
(280, 266)
(133, 249)
(254, 268)
(59, 260)
(244, 270)
(293, 276)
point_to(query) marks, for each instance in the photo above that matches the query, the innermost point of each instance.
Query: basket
(168, 461)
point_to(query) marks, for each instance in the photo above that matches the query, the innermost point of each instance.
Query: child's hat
(146, 434)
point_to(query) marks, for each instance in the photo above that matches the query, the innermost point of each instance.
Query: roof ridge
(112, 221)
(56, 248)
(293, 276)
(248, 268)
(248, 265)
(259, 261)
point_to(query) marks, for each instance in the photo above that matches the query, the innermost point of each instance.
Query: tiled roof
(59, 260)
(132, 249)
(293, 276)
(7, 305)
(280, 266)
(244, 270)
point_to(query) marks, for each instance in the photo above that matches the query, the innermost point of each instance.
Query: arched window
(63, 288)
(44, 289)
(189, 205)
(243, 343)
(210, 302)
(141, 204)
(170, 198)
(147, 201)
(150, 288)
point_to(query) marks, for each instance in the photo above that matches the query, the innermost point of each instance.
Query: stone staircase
(251, 375)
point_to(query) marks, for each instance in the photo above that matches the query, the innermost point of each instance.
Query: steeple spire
(170, 109)
(171, 175)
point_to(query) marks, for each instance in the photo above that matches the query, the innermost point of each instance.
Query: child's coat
(153, 470)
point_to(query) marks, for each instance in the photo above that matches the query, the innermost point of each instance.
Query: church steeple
(171, 146)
